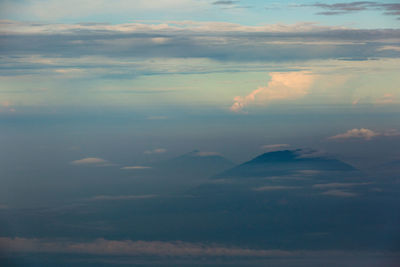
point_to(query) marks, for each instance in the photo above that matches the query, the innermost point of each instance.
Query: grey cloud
(122, 197)
(225, 42)
(339, 193)
(162, 248)
(391, 9)
(224, 2)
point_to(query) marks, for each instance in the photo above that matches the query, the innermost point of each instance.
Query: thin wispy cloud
(155, 151)
(225, 2)
(365, 134)
(339, 193)
(392, 9)
(339, 185)
(207, 153)
(275, 146)
(103, 246)
(275, 188)
(91, 162)
(135, 168)
(120, 197)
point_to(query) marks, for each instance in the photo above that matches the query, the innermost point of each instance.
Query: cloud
(386, 99)
(135, 168)
(365, 134)
(7, 106)
(156, 248)
(90, 161)
(282, 86)
(207, 153)
(339, 193)
(309, 172)
(390, 47)
(275, 187)
(392, 9)
(131, 248)
(220, 41)
(275, 146)
(310, 153)
(361, 133)
(50, 10)
(225, 2)
(338, 185)
(155, 151)
(125, 197)
(391, 132)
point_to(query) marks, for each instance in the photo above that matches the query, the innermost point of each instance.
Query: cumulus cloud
(91, 161)
(364, 133)
(135, 168)
(155, 151)
(339, 193)
(282, 86)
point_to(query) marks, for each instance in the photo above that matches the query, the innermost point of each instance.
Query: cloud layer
(159, 248)
(213, 40)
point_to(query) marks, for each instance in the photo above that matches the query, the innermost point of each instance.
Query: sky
(96, 95)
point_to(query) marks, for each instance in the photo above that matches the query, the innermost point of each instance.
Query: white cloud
(135, 168)
(361, 133)
(155, 151)
(339, 193)
(283, 85)
(365, 134)
(90, 161)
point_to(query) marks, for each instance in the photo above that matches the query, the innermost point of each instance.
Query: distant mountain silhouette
(195, 163)
(285, 162)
